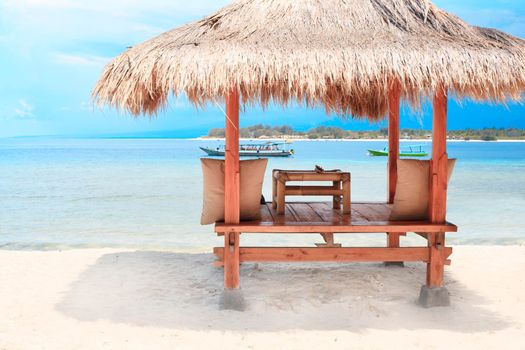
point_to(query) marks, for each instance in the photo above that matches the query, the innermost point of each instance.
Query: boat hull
(219, 153)
(377, 153)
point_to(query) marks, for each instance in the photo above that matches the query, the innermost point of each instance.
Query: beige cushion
(251, 181)
(413, 187)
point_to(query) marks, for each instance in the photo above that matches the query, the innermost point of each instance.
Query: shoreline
(347, 140)
(201, 138)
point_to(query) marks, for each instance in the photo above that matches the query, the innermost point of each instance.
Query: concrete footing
(232, 299)
(434, 297)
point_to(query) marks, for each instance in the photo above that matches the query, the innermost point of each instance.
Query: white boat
(267, 149)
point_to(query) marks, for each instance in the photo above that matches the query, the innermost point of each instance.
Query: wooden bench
(340, 187)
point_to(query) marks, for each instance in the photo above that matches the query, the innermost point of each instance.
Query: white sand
(110, 299)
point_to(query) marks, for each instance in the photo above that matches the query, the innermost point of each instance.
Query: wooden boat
(407, 151)
(268, 149)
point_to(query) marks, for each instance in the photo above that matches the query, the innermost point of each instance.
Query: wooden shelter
(354, 57)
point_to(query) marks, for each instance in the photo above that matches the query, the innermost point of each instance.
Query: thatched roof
(342, 54)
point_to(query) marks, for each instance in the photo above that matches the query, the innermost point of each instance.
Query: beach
(129, 299)
(117, 234)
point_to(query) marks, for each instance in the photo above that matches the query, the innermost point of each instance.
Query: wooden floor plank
(359, 211)
(290, 211)
(287, 217)
(330, 215)
(376, 212)
(356, 215)
(305, 212)
(266, 215)
(310, 217)
(326, 213)
(269, 207)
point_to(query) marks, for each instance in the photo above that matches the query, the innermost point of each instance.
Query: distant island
(260, 131)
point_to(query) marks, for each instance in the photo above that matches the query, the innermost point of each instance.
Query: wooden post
(347, 195)
(281, 205)
(274, 189)
(231, 190)
(437, 206)
(394, 103)
(231, 260)
(393, 240)
(336, 200)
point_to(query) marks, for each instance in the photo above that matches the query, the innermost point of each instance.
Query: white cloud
(86, 106)
(22, 110)
(80, 60)
(102, 20)
(122, 7)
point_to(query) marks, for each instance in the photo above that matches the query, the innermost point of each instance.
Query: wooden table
(339, 187)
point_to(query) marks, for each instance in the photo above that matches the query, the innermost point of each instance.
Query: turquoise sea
(146, 193)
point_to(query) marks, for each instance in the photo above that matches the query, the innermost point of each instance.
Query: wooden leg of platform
(280, 197)
(346, 197)
(393, 241)
(231, 260)
(329, 241)
(434, 293)
(437, 261)
(274, 191)
(337, 199)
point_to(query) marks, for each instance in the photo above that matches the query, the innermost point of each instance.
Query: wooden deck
(317, 217)
(321, 218)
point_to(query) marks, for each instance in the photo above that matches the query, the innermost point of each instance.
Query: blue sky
(52, 52)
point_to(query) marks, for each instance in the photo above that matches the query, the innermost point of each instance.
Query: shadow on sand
(164, 289)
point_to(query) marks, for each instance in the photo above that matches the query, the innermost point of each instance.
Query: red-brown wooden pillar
(434, 293)
(394, 103)
(437, 207)
(231, 191)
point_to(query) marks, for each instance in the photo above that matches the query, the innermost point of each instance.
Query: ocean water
(146, 193)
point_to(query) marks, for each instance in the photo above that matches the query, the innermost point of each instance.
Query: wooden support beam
(316, 227)
(313, 191)
(274, 189)
(296, 254)
(232, 191)
(347, 196)
(328, 238)
(231, 260)
(438, 165)
(437, 206)
(393, 239)
(231, 160)
(437, 261)
(336, 200)
(280, 197)
(394, 104)
(312, 176)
